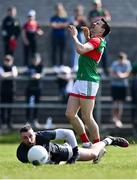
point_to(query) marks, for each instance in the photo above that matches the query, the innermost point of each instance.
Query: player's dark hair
(106, 27)
(26, 128)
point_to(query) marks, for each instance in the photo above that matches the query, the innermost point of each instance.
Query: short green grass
(118, 163)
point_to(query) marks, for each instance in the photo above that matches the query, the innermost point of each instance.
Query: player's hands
(36, 76)
(86, 32)
(75, 156)
(72, 160)
(85, 29)
(40, 32)
(73, 30)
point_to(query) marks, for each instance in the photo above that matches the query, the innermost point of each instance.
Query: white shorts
(85, 89)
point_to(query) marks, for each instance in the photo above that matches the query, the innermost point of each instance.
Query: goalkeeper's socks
(107, 141)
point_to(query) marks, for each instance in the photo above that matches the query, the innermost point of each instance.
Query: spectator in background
(10, 31)
(134, 93)
(29, 32)
(119, 71)
(58, 22)
(78, 20)
(65, 80)
(33, 91)
(97, 12)
(7, 70)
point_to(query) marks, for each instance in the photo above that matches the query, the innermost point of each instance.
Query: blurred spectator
(134, 93)
(78, 20)
(29, 32)
(10, 31)
(97, 12)
(33, 91)
(58, 22)
(65, 80)
(7, 72)
(120, 70)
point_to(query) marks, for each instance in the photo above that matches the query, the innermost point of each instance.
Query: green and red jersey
(88, 62)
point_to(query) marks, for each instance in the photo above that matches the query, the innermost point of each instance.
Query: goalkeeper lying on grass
(58, 152)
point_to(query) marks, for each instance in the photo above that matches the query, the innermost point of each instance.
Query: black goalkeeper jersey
(57, 152)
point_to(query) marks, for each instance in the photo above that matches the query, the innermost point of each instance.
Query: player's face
(8, 62)
(97, 27)
(28, 138)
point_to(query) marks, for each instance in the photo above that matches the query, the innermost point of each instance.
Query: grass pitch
(118, 163)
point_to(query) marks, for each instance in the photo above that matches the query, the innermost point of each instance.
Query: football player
(69, 152)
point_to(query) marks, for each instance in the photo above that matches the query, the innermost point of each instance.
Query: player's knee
(94, 155)
(87, 117)
(69, 115)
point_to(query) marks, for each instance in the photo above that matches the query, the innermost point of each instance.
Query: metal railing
(59, 105)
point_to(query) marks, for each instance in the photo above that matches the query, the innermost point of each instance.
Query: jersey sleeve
(95, 42)
(48, 135)
(1, 70)
(22, 152)
(114, 66)
(129, 67)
